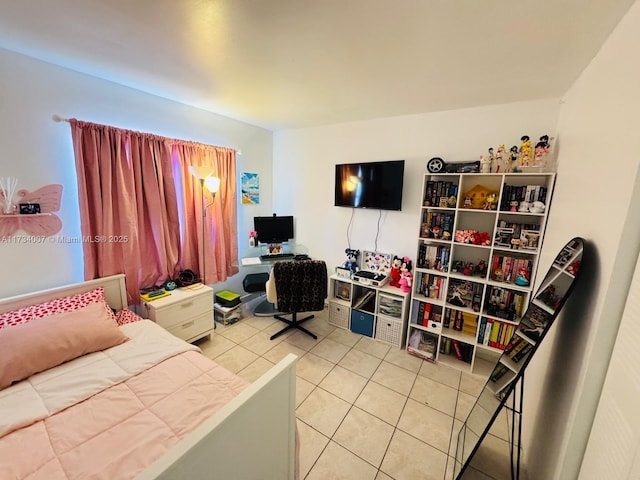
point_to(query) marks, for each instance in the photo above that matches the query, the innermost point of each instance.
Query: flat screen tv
(273, 229)
(370, 185)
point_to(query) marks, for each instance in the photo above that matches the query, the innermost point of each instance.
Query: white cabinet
(479, 243)
(378, 312)
(187, 313)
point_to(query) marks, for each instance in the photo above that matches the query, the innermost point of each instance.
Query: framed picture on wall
(250, 183)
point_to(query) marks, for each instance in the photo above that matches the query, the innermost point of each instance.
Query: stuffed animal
(395, 272)
(352, 260)
(406, 277)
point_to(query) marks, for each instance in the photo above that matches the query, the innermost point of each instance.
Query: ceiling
(285, 64)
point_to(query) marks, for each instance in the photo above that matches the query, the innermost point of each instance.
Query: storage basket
(389, 331)
(339, 315)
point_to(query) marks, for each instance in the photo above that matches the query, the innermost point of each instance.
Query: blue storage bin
(362, 323)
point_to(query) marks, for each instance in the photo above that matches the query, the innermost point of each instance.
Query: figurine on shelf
(491, 202)
(492, 159)
(352, 260)
(485, 164)
(514, 205)
(395, 272)
(501, 158)
(523, 277)
(481, 269)
(406, 277)
(513, 158)
(541, 151)
(526, 151)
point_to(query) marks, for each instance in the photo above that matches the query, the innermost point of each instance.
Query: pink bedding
(118, 431)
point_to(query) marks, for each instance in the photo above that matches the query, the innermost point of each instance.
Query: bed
(149, 406)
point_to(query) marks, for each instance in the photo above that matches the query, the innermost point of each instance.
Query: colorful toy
(523, 277)
(513, 157)
(406, 277)
(492, 202)
(526, 151)
(395, 271)
(541, 151)
(478, 196)
(485, 164)
(352, 260)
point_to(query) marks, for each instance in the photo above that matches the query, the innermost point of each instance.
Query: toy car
(438, 165)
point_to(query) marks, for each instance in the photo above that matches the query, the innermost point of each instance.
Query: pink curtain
(220, 213)
(129, 186)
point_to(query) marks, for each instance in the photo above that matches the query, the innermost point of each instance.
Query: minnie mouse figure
(395, 272)
(406, 277)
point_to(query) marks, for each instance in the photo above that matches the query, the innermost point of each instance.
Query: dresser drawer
(183, 310)
(193, 327)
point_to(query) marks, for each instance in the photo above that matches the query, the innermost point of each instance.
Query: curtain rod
(58, 118)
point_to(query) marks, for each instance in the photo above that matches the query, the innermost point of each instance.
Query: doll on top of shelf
(526, 151)
(395, 271)
(406, 277)
(541, 151)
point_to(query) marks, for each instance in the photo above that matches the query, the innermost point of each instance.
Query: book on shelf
(516, 344)
(482, 326)
(368, 296)
(469, 324)
(445, 345)
(522, 353)
(457, 349)
(462, 351)
(439, 192)
(418, 314)
(500, 334)
(534, 322)
(446, 318)
(426, 315)
(498, 372)
(422, 344)
(461, 293)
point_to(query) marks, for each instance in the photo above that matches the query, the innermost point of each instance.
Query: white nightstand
(187, 313)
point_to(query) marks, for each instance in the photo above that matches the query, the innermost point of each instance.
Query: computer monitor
(273, 229)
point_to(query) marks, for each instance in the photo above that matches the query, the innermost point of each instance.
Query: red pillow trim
(58, 305)
(125, 316)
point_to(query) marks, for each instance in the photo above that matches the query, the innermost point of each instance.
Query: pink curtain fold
(220, 219)
(141, 207)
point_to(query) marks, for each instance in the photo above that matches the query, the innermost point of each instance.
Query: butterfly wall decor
(45, 223)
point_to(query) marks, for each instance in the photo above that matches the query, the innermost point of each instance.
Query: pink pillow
(37, 346)
(127, 316)
(58, 305)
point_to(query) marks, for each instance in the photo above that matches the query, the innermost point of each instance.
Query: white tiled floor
(365, 410)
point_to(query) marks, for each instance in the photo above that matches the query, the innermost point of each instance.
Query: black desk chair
(299, 286)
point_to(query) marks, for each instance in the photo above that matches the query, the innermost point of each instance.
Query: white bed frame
(252, 437)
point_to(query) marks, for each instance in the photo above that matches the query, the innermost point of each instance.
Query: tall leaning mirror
(509, 371)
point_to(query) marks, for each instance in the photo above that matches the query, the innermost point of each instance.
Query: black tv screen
(370, 185)
(273, 229)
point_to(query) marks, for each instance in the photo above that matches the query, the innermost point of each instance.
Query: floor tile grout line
(352, 347)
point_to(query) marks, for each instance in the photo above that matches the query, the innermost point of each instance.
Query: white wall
(305, 159)
(39, 151)
(596, 176)
(598, 168)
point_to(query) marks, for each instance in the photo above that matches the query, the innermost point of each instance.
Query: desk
(265, 308)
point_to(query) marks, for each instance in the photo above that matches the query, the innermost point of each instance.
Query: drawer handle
(188, 324)
(187, 304)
